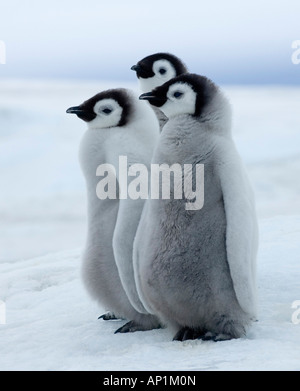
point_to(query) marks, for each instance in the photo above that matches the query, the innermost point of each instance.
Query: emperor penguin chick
(195, 264)
(118, 125)
(155, 70)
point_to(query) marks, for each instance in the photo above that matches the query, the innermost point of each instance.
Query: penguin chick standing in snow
(118, 124)
(195, 269)
(155, 70)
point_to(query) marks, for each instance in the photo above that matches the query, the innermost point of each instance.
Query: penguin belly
(188, 281)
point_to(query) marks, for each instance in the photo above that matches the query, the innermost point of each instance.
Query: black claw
(132, 326)
(179, 335)
(208, 337)
(184, 334)
(215, 337)
(188, 333)
(129, 327)
(222, 337)
(108, 316)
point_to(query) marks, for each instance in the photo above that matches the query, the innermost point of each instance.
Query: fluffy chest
(185, 141)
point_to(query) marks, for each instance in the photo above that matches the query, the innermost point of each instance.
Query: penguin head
(107, 109)
(185, 94)
(156, 69)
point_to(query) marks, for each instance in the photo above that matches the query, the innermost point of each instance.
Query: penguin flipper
(128, 218)
(241, 229)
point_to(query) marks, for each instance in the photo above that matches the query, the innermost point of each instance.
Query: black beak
(153, 99)
(82, 112)
(136, 68)
(75, 110)
(148, 96)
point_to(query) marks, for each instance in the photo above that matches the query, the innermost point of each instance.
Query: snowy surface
(51, 322)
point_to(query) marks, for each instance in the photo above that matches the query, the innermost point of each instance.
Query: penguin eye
(162, 71)
(106, 111)
(177, 94)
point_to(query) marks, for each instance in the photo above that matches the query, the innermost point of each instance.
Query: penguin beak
(147, 96)
(136, 68)
(82, 113)
(75, 110)
(141, 71)
(153, 99)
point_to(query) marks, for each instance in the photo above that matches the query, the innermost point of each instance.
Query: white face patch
(181, 100)
(163, 72)
(109, 114)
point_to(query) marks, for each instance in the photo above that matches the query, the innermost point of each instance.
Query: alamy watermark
(2, 312)
(2, 53)
(296, 314)
(296, 52)
(132, 181)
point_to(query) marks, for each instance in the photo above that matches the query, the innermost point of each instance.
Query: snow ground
(51, 323)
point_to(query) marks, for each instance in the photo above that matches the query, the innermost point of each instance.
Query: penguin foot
(215, 337)
(222, 337)
(227, 328)
(132, 326)
(188, 333)
(109, 316)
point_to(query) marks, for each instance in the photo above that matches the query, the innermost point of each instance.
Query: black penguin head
(156, 69)
(185, 94)
(105, 110)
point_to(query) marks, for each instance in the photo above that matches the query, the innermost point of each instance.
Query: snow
(51, 322)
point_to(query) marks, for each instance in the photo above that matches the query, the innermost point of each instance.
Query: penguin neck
(92, 154)
(184, 139)
(217, 115)
(162, 118)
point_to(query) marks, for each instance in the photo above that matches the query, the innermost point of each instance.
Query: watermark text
(2, 53)
(150, 380)
(296, 52)
(296, 314)
(2, 312)
(176, 182)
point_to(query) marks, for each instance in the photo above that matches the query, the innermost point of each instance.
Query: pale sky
(229, 41)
